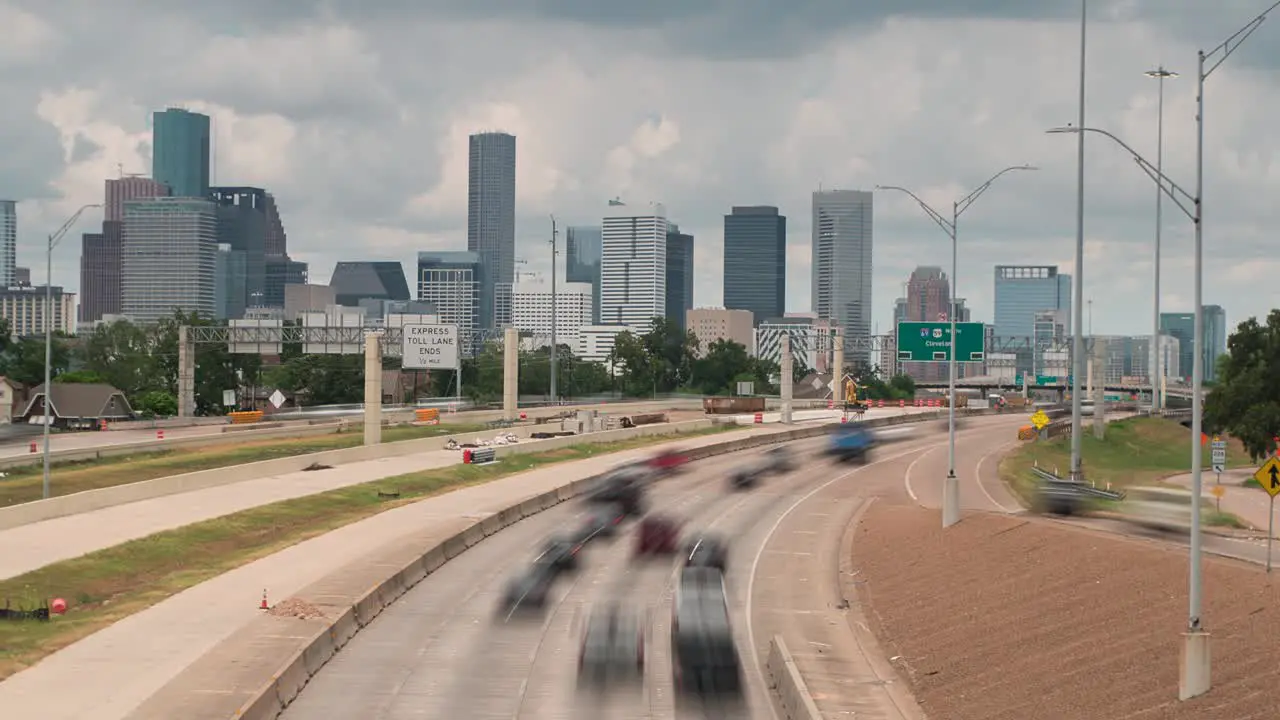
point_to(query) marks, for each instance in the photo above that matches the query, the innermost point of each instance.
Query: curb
(271, 699)
(797, 703)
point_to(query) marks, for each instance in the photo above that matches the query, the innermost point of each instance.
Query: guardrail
(784, 675)
(1061, 496)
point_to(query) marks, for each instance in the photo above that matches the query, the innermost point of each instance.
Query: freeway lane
(437, 652)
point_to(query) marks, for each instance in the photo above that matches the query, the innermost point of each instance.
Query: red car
(668, 462)
(657, 535)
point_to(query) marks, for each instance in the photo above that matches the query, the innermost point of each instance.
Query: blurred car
(779, 459)
(851, 443)
(668, 462)
(704, 659)
(612, 646)
(528, 590)
(657, 535)
(602, 522)
(624, 486)
(560, 553)
(744, 477)
(1159, 508)
(707, 551)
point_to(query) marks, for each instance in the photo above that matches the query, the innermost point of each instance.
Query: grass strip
(1134, 451)
(111, 584)
(25, 484)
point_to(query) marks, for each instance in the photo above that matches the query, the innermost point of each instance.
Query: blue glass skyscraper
(180, 151)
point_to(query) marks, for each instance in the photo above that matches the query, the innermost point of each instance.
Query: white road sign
(429, 347)
(277, 399)
(1219, 449)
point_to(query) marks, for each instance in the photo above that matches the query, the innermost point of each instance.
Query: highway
(441, 651)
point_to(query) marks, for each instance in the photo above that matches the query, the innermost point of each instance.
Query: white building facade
(633, 265)
(531, 311)
(812, 341)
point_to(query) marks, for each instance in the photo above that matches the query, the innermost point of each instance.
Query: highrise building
(25, 309)
(168, 258)
(491, 219)
(679, 275)
(633, 265)
(180, 149)
(353, 281)
(842, 244)
(755, 261)
(531, 311)
(8, 242)
(229, 286)
(1022, 291)
(452, 282)
(928, 300)
(100, 272)
(710, 325)
(118, 191)
(242, 226)
(582, 261)
(1182, 326)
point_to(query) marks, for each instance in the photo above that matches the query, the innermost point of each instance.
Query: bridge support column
(510, 373)
(372, 388)
(785, 373)
(837, 367)
(186, 373)
(1099, 390)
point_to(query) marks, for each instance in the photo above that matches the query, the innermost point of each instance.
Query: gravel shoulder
(1013, 618)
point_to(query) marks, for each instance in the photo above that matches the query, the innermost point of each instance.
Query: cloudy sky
(356, 114)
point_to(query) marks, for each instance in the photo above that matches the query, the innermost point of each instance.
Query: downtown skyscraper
(633, 265)
(842, 243)
(491, 222)
(755, 261)
(180, 147)
(8, 241)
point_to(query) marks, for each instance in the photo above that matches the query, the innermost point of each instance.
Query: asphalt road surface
(443, 650)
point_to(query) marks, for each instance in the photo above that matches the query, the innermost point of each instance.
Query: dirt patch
(295, 608)
(1020, 619)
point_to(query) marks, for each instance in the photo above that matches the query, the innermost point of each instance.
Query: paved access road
(439, 652)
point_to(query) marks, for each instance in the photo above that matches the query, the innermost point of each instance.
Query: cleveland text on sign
(931, 341)
(430, 347)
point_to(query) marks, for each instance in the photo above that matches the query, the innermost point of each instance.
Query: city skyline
(353, 169)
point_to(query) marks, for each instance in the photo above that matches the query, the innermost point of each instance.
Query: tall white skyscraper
(531, 310)
(842, 245)
(8, 242)
(633, 265)
(169, 258)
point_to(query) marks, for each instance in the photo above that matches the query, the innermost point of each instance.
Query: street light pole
(951, 485)
(1077, 300)
(554, 348)
(53, 241)
(1160, 74)
(1194, 671)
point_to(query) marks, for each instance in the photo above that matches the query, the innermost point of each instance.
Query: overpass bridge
(989, 385)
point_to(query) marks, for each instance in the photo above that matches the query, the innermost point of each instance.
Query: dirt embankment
(1005, 618)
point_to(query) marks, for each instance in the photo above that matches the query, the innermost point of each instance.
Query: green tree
(1246, 400)
(216, 369)
(723, 364)
(124, 356)
(80, 376)
(23, 360)
(155, 403)
(319, 379)
(659, 361)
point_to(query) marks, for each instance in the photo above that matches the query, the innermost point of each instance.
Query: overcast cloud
(356, 116)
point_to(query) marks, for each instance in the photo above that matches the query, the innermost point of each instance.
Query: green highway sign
(931, 341)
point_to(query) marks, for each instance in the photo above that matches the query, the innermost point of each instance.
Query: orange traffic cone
(264, 605)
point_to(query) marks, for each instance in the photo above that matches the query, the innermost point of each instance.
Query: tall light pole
(554, 348)
(54, 239)
(1194, 675)
(951, 485)
(1077, 294)
(1160, 74)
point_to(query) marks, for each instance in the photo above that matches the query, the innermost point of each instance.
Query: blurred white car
(1158, 508)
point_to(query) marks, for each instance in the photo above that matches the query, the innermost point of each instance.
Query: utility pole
(555, 397)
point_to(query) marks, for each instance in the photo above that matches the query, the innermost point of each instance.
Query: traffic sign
(1268, 476)
(1218, 491)
(1039, 419)
(931, 341)
(429, 347)
(1219, 447)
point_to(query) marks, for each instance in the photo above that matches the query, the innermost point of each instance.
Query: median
(108, 585)
(1134, 452)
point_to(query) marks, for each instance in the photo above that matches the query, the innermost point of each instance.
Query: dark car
(704, 659)
(707, 551)
(657, 535)
(624, 486)
(528, 590)
(612, 646)
(779, 459)
(744, 477)
(560, 553)
(602, 522)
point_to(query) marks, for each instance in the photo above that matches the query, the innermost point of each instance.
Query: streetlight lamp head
(1063, 129)
(1160, 73)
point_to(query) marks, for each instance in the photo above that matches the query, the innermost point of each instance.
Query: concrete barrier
(274, 696)
(785, 678)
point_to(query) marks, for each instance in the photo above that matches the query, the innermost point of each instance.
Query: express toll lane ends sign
(430, 347)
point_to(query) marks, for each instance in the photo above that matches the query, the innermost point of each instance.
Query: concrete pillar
(837, 368)
(510, 373)
(1099, 395)
(186, 373)
(785, 371)
(1193, 670)
(372, 388)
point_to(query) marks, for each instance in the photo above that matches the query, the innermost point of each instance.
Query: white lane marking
(906, 477)
(977, 476)
(755, 563)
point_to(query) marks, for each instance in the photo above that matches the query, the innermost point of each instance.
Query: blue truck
(851, 443)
